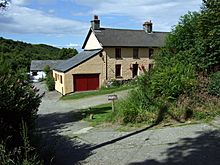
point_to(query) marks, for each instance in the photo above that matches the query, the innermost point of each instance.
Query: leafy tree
(209, 34)
(214, 84)
(19, 54)
(19, 101)
(66, 53)
(192, 48)
(4, 3)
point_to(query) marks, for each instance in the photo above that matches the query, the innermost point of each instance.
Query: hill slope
(19, 54)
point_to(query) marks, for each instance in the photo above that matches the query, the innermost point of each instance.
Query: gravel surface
(73, 141)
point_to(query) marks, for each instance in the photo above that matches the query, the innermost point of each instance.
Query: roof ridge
(141, 30)
(120, 29)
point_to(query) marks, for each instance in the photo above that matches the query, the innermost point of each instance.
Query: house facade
(119, 54)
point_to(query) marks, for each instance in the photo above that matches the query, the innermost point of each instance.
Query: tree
(19, 102)
(4, 3)
(49, 78)
(209, 34)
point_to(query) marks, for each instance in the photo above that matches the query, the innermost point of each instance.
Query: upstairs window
(117, 70)
(117, 53)
(135, 53)
(151, 52)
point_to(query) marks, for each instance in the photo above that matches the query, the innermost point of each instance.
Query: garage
(86, 82)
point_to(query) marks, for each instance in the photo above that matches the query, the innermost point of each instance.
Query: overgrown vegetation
(19, 103)
(185, 81)
(214, 84)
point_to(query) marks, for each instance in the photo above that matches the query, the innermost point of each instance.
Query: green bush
(49, 78)
(50, 82)
(21, 155)
(171, 81)
(214, 85)
(18, 101)
(47, 69)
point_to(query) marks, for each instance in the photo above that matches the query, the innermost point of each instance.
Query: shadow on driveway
(201, 150)
(56, 149)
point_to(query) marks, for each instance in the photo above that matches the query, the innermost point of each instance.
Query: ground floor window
(34, 73)
(118, 70)
(55, 78)
(61, 79)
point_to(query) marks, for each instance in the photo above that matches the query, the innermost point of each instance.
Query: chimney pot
(148, 26)
(96, 17)
(95, 23)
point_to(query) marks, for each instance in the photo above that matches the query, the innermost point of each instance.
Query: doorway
(135, 70)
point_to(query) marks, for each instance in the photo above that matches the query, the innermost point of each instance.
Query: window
(55, 78)
(117, 71)
(135, 53)
(151, 52)
(34, 73)
(61, 79)
(151, 66)
(135, 70)
(117, 53)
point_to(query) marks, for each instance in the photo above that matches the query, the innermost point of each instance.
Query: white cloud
(19, 2)
(164, 13)
(24, 20)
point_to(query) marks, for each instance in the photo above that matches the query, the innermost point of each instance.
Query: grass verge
(102, 114)
(98, 114)
(101, 91)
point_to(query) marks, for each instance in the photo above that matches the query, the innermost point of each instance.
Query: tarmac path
(73, 141)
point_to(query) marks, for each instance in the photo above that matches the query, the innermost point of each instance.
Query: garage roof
(76, 60)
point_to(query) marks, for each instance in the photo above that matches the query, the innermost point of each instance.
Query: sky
(65, 23)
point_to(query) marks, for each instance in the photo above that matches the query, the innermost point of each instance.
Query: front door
(135, 70)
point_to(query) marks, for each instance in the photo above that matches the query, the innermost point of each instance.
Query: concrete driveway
(51, 102)
(69, 140)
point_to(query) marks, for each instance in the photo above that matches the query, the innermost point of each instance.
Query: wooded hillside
(19, 54)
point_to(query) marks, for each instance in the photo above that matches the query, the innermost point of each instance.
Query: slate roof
(130, 38)
(39, 65)
(76, 60)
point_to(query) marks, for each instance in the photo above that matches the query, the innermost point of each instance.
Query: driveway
(51, 102)
(69, 140)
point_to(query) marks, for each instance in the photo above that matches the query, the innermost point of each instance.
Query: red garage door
(86, 82)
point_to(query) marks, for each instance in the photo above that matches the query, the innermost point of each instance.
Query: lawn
(100, 114)
(101, 91)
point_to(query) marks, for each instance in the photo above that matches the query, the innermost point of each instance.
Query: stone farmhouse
(119, 54)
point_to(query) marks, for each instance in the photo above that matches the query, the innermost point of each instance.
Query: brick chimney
(148, 26)
(95, 23)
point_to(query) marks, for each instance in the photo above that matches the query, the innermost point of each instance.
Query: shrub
(50, 82)
(171, 81)
(47, 69)
(18, 101)
(49, 78)
(214, 85)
